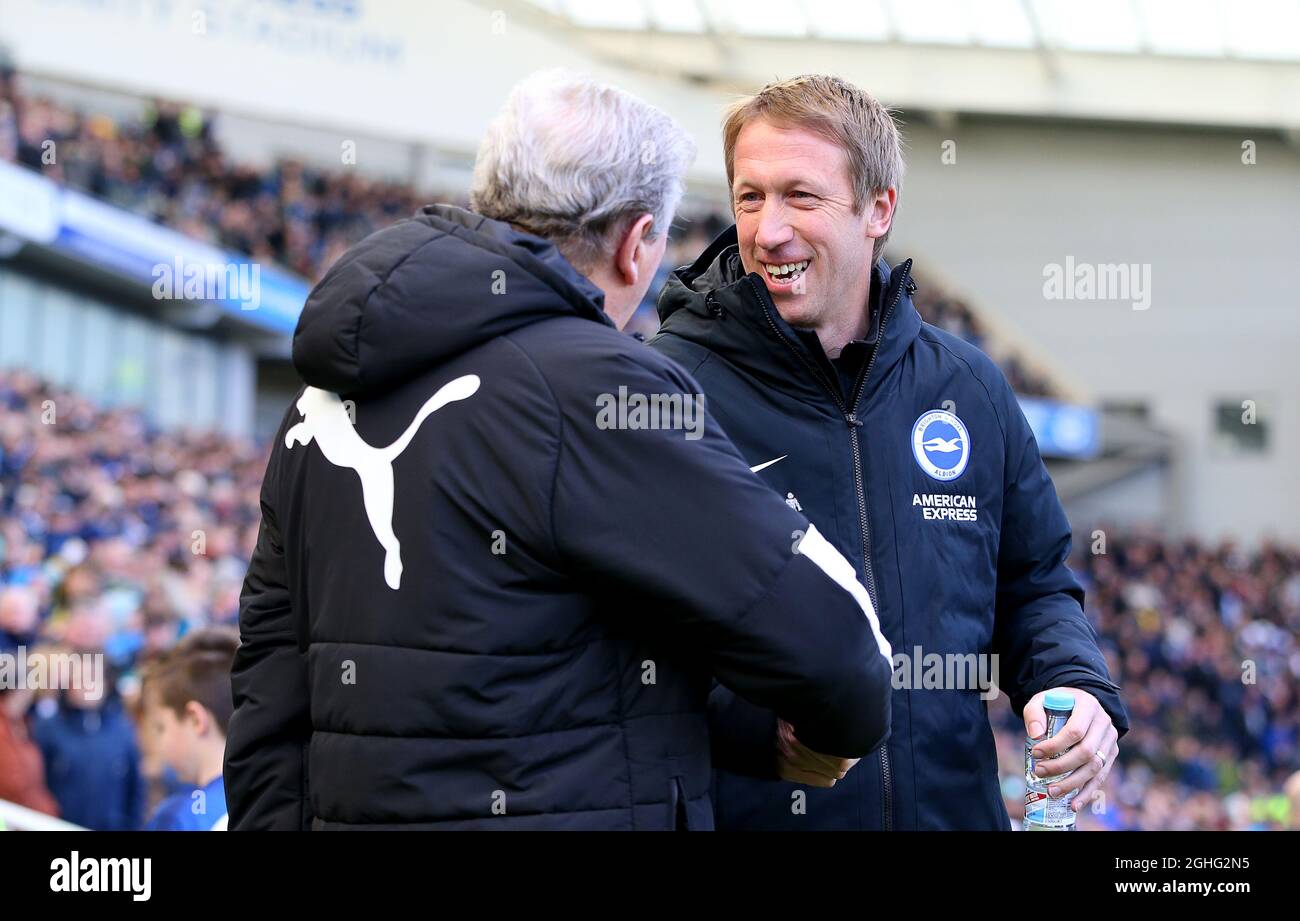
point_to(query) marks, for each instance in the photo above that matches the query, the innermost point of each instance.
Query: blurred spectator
(18, 617)
(22, 770)
(92, 764)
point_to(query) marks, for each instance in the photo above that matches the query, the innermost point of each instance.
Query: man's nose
(774, 230)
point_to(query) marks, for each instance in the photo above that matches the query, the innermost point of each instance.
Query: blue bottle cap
(1059, 700)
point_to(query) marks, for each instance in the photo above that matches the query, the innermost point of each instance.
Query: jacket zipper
(854, 423)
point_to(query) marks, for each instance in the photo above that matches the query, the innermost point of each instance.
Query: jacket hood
(426, 289)
(716, 304)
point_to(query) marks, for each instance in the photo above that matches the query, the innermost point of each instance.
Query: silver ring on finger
(1101, 756)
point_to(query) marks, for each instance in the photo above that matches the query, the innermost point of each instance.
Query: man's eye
(748, 197)
(800, 193)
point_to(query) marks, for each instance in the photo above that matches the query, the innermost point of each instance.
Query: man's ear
(626, 256)
(880, 212)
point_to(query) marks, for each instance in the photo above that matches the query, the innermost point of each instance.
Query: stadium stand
(120, 538)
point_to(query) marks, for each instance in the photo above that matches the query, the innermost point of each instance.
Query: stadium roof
(1218, 62)
(1263, 29)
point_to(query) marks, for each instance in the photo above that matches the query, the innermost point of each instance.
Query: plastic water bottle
(1043, 812)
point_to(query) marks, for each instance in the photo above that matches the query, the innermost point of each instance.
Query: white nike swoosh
(769, 463)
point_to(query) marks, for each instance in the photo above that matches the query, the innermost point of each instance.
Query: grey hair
(571, 159)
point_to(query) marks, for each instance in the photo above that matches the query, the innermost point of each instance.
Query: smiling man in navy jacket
(906, 447)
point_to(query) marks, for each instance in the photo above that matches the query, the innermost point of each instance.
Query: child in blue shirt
(187, 703)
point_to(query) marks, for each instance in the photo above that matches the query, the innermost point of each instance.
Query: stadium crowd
(169, 167)
(115, 539)
(119, 539)
(1203, 639)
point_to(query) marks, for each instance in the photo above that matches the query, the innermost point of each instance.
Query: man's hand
(1089, 740)
(800, 764)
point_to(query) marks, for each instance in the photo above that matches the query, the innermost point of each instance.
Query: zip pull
(852, 419)
(713, 306)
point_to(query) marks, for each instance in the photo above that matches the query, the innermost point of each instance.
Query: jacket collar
(714, 303)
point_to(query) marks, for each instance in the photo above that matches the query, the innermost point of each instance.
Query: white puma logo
(326, 420)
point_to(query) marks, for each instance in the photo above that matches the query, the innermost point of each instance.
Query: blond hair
(840, 112)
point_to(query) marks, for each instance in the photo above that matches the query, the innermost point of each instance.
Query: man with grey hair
(468, 607)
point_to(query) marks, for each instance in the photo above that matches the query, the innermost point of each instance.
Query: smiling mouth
(784, 275)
